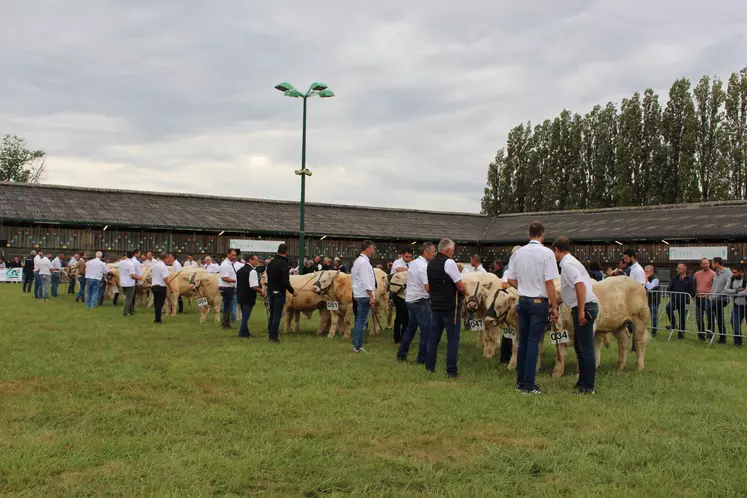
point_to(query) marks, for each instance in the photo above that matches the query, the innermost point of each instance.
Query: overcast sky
(177, 95)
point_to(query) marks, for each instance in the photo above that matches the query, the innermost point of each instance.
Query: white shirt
(363, 277)
(95, 269)
(190, 264)
(238, 265)
(253, 278)
(472, 269)
(159, 273)
(149, 262)
(213, 268)
(652, 285)
(532, 266)
(126, 268)
(417, 278)
(57, 263)
(176, 265)
(227, 270)
(45, 266)
(136, 266)
(452, 270)
(637, 273)
(37, 258)
(573, 272)
(400, 263)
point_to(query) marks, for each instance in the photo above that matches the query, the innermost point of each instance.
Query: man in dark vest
(445, 284)
(247, 288)
(278, 283)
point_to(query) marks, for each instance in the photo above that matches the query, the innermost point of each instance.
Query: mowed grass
(92, 403)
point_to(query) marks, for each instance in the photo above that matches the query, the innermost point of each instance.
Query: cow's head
(324, 282)
(503, 301)
(398, 284)
(478, 287)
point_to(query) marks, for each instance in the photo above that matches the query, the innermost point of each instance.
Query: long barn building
(72, 219)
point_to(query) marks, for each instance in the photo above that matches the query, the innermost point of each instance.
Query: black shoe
(680, 335)
(275, 341)
(722, 341)
(157, 321)
(535, 391)
(517, 388)
(401, 360)
(668, 327)
(582, 392)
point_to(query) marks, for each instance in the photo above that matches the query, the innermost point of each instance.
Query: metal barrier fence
(707, 315)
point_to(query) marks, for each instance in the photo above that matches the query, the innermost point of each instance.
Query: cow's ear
(488, 285)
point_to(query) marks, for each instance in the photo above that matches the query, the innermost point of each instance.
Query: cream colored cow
(335, 286)
(306, 302)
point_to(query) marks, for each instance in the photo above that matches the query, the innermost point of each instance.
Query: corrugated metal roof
(24, 203)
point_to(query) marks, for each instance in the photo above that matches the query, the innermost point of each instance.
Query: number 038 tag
(560, 337)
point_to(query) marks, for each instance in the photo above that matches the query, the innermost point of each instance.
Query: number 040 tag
(333, 305)
(476, 325)
(509, 333)
(560, 337)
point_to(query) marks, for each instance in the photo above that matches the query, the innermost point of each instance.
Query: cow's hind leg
(559, 369)
(640, 339)
(623, 340)
(599, 341)
(514, 353)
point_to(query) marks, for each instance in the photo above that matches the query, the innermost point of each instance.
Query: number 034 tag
(560, 337)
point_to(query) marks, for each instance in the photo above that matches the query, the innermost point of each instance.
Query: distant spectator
(681, 290)
(327, 264)
(609, 272)
(595, 271)
(210, 266)
(28, 272)
(339, 266)
(45, 275)
(498, 269)
(475, 265)
(622, 269)
(736, 288)
(717, 301)
(2, 263)
(654, 297)
(317, 266)
(56, 273)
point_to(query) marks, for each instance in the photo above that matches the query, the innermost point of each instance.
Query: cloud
(178, 95)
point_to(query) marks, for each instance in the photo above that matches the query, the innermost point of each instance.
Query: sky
(178, 95)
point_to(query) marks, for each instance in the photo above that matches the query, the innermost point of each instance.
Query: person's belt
(535, 299)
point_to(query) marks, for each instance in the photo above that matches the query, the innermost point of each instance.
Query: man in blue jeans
(364, 285)
(532, 271)
(577, 293)
(95, 271)
(445, 284)
(278, 284)
(417, 297)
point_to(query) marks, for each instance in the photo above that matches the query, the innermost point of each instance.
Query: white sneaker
(359, 350)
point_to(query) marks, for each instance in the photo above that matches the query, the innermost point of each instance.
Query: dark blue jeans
(226, 294)
(37, 285)
(81, 290)
(277, 302)
(92, 292)
(677, 304)
(363, 305)
(653, 307)
(55, 283)
(441, 320)
(71, 286)
(715, 309)
(28, 280)
(246, 312)
(700, 307)
(419, 313)
(532, 322)
(583, 343)
(738, 315)
(102, 291)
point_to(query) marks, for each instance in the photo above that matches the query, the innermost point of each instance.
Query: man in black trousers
(247, 288)
(278, 282)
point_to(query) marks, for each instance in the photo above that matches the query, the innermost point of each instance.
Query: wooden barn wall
(19, 240)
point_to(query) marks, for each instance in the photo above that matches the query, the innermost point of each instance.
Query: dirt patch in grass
(491, 434)
(33, 384)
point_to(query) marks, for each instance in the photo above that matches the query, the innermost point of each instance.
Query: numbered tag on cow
(476, 325)
(509, 333)
(560, 337)
(202, 301)
(333, 306)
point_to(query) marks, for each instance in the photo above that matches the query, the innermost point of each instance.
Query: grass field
(92, 403)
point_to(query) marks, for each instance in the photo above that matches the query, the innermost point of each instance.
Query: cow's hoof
(556, 374)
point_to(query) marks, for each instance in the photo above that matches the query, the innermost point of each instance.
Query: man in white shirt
(475, 265)
(418, 305)
(445, 286)
(247, 288)
(95, 271)
(128, 278)
(637, 272)
(401, 319)
(227, 287)
(190, 263)
(237, 265)
(44, 267)
(149, 261)
(56, 273)
(364, 285)
(73, 261)
(37, 279)
(532, 270)
(577, 293)
(210, 266)
(160, 285)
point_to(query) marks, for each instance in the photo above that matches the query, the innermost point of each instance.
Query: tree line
(20, 164)
(691, 150)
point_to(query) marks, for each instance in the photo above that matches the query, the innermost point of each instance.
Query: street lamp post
(321, 90)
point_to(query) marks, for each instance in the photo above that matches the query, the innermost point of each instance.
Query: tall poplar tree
(736, 133)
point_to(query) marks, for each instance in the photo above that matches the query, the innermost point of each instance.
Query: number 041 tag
(333, 305)
(476, 325)
(202, 301)
(560, 337)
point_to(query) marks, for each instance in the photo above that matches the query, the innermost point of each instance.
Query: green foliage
(692, 150)
(18, 163)
(95, 404)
